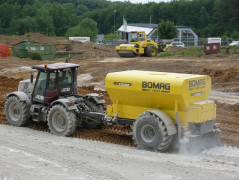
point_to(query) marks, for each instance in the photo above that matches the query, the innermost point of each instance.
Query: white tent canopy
(135, 28)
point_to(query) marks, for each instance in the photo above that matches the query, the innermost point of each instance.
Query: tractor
(53, 97)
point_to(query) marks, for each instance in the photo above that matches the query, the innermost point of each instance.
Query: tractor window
(52, 81)
(41, 83)
(40, 87)
(65, 78)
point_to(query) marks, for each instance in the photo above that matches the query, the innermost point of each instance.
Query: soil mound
(227, 79)
(40, 38)
(175, 49)
(231, 74)
(10, 40)
(89, 49)
(92, 50)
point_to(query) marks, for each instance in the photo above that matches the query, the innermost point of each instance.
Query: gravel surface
(225, 97)
(29, 154)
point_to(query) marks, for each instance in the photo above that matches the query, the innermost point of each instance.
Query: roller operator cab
(53, 97)
(163, 106)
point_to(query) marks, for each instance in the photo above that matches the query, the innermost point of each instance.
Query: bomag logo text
(156, 87)
(197, 84)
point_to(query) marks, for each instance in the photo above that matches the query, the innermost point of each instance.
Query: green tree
(235, 35)
(44, 21)
(204, 18)
(28, 10)
(81, 9)
(87, 28)
(73, 32)
(167, 30)
(20, 2)
(7, 13)
(22, 26)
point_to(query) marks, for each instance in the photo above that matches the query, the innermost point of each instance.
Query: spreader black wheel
(150, 133)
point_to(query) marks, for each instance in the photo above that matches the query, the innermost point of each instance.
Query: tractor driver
(65, 78)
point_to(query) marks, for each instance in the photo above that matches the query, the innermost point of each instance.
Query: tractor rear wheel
(150, 133)
(151, 51)
(16, 111)
(61, 122)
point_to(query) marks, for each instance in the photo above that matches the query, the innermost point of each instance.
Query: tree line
(63, 17)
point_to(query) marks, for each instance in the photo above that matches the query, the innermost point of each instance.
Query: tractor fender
(65, 102)
(166, 119)
(21, 95)
(95, 97)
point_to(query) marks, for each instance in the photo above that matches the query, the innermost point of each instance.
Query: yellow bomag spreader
(164, 109)
(140, 45)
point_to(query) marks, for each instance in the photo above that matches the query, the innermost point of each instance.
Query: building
(99, 38)
(149, 29)
(185, 34)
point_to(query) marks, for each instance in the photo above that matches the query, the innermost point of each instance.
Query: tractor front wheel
(16, 111)
(61, 122)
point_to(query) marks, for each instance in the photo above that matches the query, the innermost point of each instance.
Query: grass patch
(196, 48)
(230, 47)
(182, 53)
(59, 38)
(234, 52)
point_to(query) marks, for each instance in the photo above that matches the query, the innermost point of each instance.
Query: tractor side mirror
(31, 78)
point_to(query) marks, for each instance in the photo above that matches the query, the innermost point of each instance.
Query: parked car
(234, 43)
(100, 43)
(178, 44)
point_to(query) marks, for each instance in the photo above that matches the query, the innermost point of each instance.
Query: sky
(144, 1)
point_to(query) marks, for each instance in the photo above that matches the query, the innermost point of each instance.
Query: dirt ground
(223, 70)
(96, 61)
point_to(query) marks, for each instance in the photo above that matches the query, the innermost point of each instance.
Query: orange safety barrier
(3, 50)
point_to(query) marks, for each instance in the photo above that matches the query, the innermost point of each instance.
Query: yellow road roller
(164, 109)
(140, 45)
